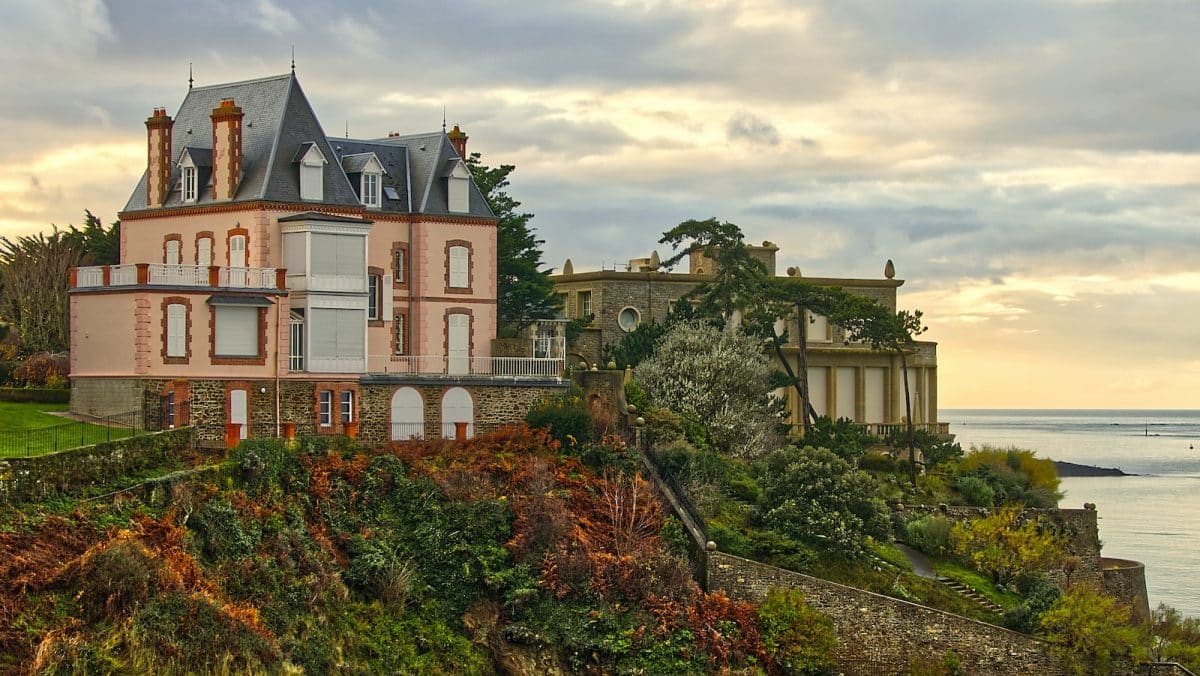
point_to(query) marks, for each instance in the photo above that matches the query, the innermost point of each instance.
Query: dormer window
(458, 181)
(370, 189)
(195, 164)
(312, 172)
(369, 172)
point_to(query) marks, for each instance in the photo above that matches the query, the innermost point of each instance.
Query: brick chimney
(458, 139)
(158, 157)
(226, 149)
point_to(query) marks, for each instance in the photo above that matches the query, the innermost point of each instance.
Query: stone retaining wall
(65, 472)
(1126, 580)
(881, 635)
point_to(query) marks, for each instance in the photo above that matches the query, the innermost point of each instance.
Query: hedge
(40, 395)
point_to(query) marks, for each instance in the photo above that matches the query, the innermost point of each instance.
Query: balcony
(939, 429)
(468, 367)
(328, 283)
(155, 274)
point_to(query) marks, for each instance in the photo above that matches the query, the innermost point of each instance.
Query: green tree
(719, 380)
(34, 273)
(814, 496)
(1175, 638)
(866, 321)
(1004, 544)
(100, 245)
(1091, 631)
(524, 292)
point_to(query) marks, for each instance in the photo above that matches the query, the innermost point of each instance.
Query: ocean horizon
(1148, 517)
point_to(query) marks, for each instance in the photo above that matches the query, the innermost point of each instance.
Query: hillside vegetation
(502, 553)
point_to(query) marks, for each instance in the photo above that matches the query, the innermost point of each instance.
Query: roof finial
(189, 74)
(443, 118)
(347, 128)
(293, 59)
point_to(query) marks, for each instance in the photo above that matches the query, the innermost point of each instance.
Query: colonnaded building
(846, 379)
(273, 278)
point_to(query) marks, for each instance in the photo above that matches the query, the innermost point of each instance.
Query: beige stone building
(847, 380)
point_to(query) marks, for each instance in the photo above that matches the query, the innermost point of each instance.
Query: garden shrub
(380, 570)
(930, 534)
(1091, 631)
(115, 580)
(42, 370)
(842, 436)
(178, 632)
(1175, 638)
(637, 397)
(798, 638)
(1040, 595)
(1006, 544)
(565, 416)
(1015, 475)
(221, 532)
(976, 491)
(877, 462)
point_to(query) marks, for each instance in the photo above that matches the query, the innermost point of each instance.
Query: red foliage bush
(42, 370)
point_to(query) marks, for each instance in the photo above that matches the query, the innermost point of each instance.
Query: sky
(1031, 167)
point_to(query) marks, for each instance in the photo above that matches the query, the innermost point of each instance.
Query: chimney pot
(226, 103)
(226, 149)
(158, 157)
(458, 139)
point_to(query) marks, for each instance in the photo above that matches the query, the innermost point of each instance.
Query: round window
(628, 319)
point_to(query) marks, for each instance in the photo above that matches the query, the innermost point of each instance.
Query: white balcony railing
(467, 366)
(157, 274)
(179, 275)
(336, 364)
(344, 283)
(247, 278)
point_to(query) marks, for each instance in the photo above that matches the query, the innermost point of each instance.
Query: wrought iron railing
(73, 434)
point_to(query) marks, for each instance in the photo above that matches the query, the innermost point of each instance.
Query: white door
(237, 410)
(237, 261)
(459, 333)
(408, 415)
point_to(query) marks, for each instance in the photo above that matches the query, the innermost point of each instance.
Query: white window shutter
(176, 330)
(173, 256)
(237, 251)
(204, 251)
(237, 331)
(459, 259)
(387, 305)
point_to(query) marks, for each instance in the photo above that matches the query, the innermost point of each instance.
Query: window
(585, 303)
(237, 251)
(204, 251)
(401, 342)
(459, 263)
(169, 411)
(340, 256)
(312, 172)
(172, 255)
(628, 319)
(373, 297)
(177, 330)
(370, 189)
(562, 305)
(458, 189)
(189, 184)
(336, 334)
(398, 264)
(237, 331)
(346, 408)
(408, 414)
(817, 328)
(296, 343)
(325, 411)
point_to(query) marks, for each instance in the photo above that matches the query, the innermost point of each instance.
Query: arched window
(204, 247)
(408, 414)
(172, 255)
(457, 407)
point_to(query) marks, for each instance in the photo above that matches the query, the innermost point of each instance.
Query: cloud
(744, 126)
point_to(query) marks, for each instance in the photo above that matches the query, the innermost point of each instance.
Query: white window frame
(369, 188)
(460, 275)
(637, 318)
(325, 408)
(237, 243)
(401, 342)
(174, 252)
(204, 245)
(584, 300)
(398, 264)
(374, 283)
(190, 184)
(346, 406)
(312, 175)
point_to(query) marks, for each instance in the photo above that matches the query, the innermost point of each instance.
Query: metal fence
(73, 434)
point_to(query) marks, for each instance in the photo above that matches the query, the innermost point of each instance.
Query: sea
(1153, 517)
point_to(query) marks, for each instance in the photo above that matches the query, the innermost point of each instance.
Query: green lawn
(27, 429)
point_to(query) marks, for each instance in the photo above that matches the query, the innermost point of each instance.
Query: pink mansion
(273, 278)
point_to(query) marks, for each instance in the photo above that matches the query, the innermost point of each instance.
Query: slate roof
(279, 126)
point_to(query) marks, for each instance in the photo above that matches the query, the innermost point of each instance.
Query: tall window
(176, 330)
(460, 258)
(370, 189)
(346, 408)
(204, 251)
(237, 251)
(237, 333)
(373, 297)
(400, 340)
(585, 303)
(173, 256)
(325, 412)
(398, 264)
(296, 343)
(189, 184)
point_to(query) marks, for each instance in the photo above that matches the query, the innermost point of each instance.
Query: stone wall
(102, 397)
(65, 472)
(1126, 581)
(588, 347)
(881, 635)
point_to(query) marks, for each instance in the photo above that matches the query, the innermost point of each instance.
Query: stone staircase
(966, 592)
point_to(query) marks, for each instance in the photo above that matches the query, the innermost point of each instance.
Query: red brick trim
(451, 243)
(187, 329)
(401, 344)
(230, 386)
(216, 360)
(335, 409)
(453, 299)
(378, 321)
(212, 249)
(173, 237)
(229, 235)
(470, 330)
(400, 280)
